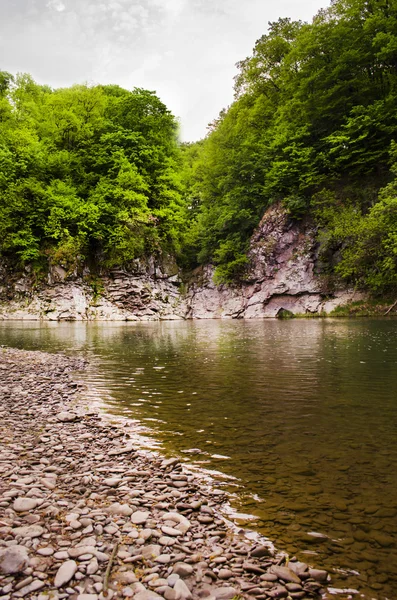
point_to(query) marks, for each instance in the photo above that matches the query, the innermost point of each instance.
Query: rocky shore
(85, 514)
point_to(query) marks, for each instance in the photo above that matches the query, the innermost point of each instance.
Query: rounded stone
(65, 573)
(13, 560)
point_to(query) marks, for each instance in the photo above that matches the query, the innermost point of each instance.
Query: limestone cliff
(282, 275)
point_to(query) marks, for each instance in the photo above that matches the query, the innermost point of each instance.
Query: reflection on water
(302, 413)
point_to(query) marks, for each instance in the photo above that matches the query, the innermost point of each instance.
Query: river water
(297, 419)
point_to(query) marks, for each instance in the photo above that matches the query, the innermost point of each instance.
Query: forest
(97, 175)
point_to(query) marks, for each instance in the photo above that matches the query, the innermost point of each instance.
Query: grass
(364, 308)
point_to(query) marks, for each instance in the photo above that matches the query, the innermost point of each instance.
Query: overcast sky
(185, 50)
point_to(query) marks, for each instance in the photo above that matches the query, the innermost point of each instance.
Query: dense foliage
(312, 125)
(96, 174)
(87, 174)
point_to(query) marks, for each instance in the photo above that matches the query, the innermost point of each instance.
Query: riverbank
(86, 515)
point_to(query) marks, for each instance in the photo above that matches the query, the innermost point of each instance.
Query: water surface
(301, 415)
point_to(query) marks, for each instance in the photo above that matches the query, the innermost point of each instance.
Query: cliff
(283, 275)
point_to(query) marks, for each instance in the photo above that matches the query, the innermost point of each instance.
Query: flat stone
(112, 481)
(285, 574)
(28, 531)
(139, 517)
(24, 504)
(47, 551)
(261, 551)
(147, 595)
(120, 509)
(318, 575)
(182, 569)
(151, 551)
(65, 573)
(225, 593)
(225, 574)
(66, 417)
(170, 594)
(182, 590)
(278, 591)
(170, 531)
(164, 540)
(126, 577)
(13, 559)
(34, 586)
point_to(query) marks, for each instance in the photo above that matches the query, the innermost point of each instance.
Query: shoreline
(83, 508)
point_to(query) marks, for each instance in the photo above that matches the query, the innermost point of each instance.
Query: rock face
(282, 276)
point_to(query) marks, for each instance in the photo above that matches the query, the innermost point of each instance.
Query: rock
(47, 551)
(32, 587)
(261, 551)
(120, 509)
(225, 593)
(92, 567)
(182, 569)
(172, 579)
(28, 531)
(112, 481)
(252, 568)
(139, 517)
(166, 541)
(182, 591)
(169, 462)
(170, 594)
(151, 551)
(65, 573)
(147, 595)
(183, 524)
(126, 577)
(225, 574)
(66, 417)
(285, 574)
(24, 504)
(298, 567)
(278, 591)
(170, 531)
(318, 575)
(13, 559)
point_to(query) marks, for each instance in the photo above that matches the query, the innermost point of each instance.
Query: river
(297, 419)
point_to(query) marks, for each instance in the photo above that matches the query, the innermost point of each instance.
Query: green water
(300, 415)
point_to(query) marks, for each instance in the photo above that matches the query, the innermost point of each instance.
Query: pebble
(182, 569)
(13, 560)
(83, 488)
(24, 504)
(28, 531)
(181, 590)
(65, 573)
(139, 517)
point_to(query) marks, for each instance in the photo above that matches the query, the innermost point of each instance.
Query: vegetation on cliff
(97, 174)
(313, 125)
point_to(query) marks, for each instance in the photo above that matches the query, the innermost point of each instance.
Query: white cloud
(56, 5)
(186, 50)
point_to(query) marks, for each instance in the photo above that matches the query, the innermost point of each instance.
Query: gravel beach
(87, 514)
